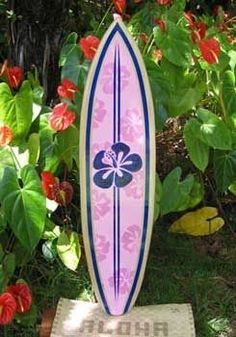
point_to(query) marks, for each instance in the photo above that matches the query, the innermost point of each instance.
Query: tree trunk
(36, 37)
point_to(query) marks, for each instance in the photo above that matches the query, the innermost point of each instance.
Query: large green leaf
(158, 194)
(224, 169)
(175, 193)
(68, 248)
(74, 70)
(24, 204)
(68, 146)
(34, 148)
(175, 44)
(198, 151)
(16, 111)
(175, 90)
(68, 47)
(48, 157)
(229, 96)
(6, 160)
(214, 131)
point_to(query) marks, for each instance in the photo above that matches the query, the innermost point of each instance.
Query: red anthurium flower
(6, 135)
(22, 295)
(61, 118)
(7, 308)
(64, 194)
(14, 75)
(210, 50)
(89, 46)
(143, 37)
(161, 23)
(119, 6)
(190, 18)
(48, 183)
(163, 2)
(67, 89)
(199, 31)
(157, 54)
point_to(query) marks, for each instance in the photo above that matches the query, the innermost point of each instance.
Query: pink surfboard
(117, 156)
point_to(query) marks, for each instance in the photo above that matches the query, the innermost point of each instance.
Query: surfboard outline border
(117, 26)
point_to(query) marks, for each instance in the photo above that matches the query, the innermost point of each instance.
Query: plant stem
(17, 163)
(104, 18)
(149, 43)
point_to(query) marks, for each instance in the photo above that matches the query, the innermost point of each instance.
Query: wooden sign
(117, 156)
(85, 319)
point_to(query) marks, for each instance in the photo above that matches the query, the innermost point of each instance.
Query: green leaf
(49, 250)
(16, 111)
(24, 204)
(196, 194)
(34, 148)
(198, 151)
(68, 146)
(6, 160)
(175, 194)
(68, 248)
(158, 194)
(175, 90)
(224, 169)
(1, 253)
(67, 48)
(176, 10)
(232, 188)
(38, 93)
(9, 265)
(3, 223)
(48, 157)
(229, 96)
(29, 318)
(22, 254)
(51, 231)
(175, 44)
(21, 155)
(214, 131)
(74, 70)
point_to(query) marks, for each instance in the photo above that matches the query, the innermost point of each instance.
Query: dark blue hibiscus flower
(115, 166)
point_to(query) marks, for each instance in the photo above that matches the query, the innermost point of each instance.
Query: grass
(180, 269)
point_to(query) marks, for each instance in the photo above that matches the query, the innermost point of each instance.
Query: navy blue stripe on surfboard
(119, 94)
(118, 190)
(114, 188)
(118, 240)
(114, 242)
(147, 135)
(114, 98)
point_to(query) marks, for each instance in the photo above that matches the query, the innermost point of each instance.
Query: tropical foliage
(190, 61)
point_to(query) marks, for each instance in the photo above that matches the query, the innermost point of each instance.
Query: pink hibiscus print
(126, 279)
(102, 204)
(107, 79)
(102, 247)
(136, 188)
(99, 113)
(130, 238)
(97, 147)
(132, 126)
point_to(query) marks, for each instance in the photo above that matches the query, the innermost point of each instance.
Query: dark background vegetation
(32, 32)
